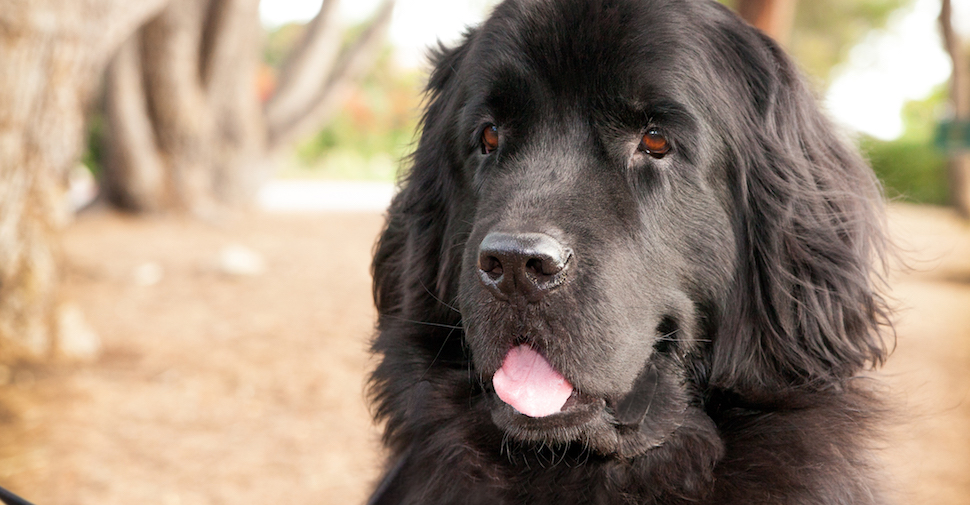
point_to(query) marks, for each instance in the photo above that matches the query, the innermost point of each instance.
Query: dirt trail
(928, 451)
(215, 389)
(212, 389)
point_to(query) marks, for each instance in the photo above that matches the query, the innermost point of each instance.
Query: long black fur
(740, 267)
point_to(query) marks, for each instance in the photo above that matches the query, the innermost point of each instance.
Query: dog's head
(616, 207)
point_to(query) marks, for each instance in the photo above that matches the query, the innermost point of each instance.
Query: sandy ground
(222, 389)
(928, 449)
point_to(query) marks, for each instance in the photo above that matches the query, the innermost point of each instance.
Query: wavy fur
(762, 314)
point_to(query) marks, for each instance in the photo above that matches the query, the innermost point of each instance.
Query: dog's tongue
(529, 384)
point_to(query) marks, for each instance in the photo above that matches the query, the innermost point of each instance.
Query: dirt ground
(222, 389)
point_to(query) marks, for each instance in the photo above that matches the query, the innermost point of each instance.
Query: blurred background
(190, 191)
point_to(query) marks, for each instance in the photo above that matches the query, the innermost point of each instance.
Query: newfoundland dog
(631, 263)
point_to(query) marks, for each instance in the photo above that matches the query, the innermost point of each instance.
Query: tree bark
(133, 178)
(959, 163)
(229, 77)
(774, 17)
(52, 52)
(177, 103)
(213, 137)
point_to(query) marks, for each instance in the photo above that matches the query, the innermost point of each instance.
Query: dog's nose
(527, 263)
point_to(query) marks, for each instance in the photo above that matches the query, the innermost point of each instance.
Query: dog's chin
(587, 421)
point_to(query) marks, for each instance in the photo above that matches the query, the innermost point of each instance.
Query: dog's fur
(737, 269)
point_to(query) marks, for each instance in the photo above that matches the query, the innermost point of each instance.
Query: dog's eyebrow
(662, 110)
(503, 98)
(507, 88)
(670, 115)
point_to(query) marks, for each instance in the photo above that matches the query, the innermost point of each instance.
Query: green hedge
(912, 171)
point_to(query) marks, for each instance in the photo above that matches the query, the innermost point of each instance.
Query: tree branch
(230, 62)
(960, 79)
(306, 68)
(351, 66)
(121, 19)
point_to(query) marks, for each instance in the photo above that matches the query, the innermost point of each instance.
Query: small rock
(239, 260)
(148, 274)
(75, 337)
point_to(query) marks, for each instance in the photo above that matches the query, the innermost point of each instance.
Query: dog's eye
(654, 143)
(489, 139)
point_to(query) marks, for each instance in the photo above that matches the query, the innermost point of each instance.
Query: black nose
(530, 264)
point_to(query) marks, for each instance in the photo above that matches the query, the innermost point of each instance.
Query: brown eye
(654, 143)
(489, 139)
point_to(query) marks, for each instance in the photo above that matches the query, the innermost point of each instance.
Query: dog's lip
(576, 399)
(580, 408)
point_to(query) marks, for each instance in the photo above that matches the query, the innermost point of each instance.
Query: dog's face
(601, 227)
(622, 207)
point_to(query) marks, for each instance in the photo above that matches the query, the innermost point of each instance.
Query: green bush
(910, 170)
(371, 135)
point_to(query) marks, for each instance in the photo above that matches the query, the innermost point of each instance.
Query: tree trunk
(52, 52)
(204, 127)
(177, 103)
(230, 68)
(959, 162)
(774, 17)
(133, 177)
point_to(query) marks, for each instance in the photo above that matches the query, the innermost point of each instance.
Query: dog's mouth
(529, 385)
(534, 402)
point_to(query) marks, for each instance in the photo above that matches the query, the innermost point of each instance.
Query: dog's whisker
(444, 342)
(565, 451)
(423, 323)
(539, 456)
(505, 448)
(432, 295)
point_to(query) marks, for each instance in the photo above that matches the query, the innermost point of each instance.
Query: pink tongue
(529, 384)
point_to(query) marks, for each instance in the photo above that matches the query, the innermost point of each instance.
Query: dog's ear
(414, 256)
(806, 307)
(417, 260)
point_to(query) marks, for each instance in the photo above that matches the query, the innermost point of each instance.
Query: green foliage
(826, 30)
(912, 168)
(374, 130)
(93, 156)
(279, 42)
(921, 117)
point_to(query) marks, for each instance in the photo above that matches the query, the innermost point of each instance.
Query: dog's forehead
(585, 46)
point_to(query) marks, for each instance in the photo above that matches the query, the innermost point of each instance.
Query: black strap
(11, 499)
(389, 491)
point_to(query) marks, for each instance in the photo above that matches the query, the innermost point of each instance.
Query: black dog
(631, 263)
